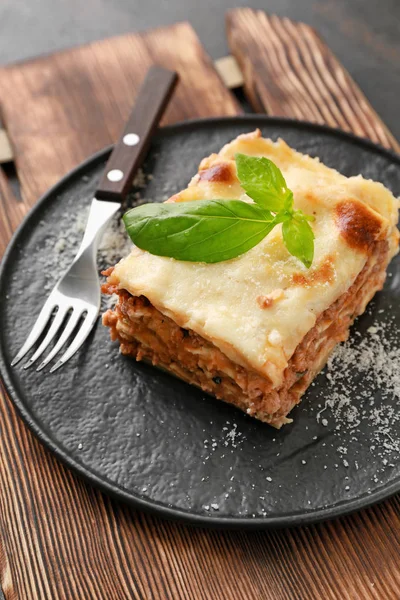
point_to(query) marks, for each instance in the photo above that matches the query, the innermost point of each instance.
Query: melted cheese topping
(221, 302)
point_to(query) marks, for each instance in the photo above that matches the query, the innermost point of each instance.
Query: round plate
(160, 444)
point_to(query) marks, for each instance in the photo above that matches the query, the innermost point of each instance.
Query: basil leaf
(199, 231)
(212, 231)
(299, 239)
(262, 181)
(288, 201)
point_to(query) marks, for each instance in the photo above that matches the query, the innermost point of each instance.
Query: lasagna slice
(255, 330)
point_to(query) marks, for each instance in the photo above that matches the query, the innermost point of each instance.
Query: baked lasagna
(255, 330)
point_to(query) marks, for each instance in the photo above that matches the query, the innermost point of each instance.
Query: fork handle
(130, 150)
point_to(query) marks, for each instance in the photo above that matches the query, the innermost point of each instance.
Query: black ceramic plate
(163, 445)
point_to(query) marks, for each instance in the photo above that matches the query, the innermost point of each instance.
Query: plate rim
(103, 483)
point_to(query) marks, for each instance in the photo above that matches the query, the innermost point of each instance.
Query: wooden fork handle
(130, 150)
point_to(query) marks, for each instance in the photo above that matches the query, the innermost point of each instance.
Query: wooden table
(363, 34)
(59, 538)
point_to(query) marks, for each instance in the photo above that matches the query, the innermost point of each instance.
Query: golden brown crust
(325, 273)
(358, 224)
(265, 301)
(223, 172)
(268, 300)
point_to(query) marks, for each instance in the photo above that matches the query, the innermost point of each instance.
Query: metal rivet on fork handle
(115, 175)
(131, 139)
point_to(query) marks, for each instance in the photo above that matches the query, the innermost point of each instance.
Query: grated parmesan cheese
(365, 363)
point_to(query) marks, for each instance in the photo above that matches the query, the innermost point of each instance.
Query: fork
(76, 297)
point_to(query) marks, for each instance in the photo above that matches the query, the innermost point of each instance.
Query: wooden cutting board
(61, 539)
(290, 72)
(60, 109)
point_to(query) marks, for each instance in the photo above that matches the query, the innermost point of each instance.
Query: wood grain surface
(289, 71)
(59, 109)
(62, 539)
(12, 211)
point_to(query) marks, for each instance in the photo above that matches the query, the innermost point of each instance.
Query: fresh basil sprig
(262, 181)
(199, 231)
(212, 231)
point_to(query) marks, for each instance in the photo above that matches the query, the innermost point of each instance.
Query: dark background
(364, 34)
